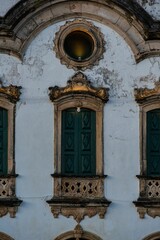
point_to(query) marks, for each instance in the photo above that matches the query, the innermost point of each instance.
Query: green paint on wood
(78, 142)
(153, 142)
(3, 140)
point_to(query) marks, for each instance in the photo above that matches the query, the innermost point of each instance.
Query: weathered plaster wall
(39, 70)
(152, 7)
(6, 5)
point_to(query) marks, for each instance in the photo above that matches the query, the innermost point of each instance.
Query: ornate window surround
(79, 202)
(149, 200)
(8, 201)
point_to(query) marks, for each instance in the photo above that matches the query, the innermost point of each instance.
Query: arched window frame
(4, 236)
(78, 233)
(153, 236)
(78, 93)
(149, 195)
(8, 201)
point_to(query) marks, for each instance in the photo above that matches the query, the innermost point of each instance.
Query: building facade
(79, 120)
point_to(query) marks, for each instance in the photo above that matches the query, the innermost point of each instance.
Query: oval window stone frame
(88, 28)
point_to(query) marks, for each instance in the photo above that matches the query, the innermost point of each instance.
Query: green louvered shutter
(3, 140)
(153, 142)
(78, 142)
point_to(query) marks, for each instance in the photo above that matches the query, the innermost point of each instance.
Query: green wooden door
(153, 142)
(3, 140)
(78, 142)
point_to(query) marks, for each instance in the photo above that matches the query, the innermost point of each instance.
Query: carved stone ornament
(78, 212)
(76, 85)
(152, 212)
(79, 25)
(142, 94)
(10, 92)
(11, 210)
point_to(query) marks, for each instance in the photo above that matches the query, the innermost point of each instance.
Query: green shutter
(78, 142)
(153, 142)
(3, 140)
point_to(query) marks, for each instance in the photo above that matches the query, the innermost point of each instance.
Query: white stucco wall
(39, 70)
(6, 5)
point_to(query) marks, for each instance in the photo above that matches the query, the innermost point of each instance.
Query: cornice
(28, 17)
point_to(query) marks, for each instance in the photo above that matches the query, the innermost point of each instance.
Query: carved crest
(10, 92)
(141, 94)
(78, 84)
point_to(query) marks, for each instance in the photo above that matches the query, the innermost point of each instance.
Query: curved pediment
(130, 20)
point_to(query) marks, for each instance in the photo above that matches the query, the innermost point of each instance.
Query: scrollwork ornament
(78, 84)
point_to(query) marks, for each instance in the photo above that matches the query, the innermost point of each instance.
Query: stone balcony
(78, 197)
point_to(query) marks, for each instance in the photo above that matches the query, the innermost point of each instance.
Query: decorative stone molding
(88, 28)
(130, 20)
(12, 209)
(78, 233)
(143, 94)
(78, 212)
(149, 186)
(8, 201)
(78, 196)
(10, 92)
(78, 84)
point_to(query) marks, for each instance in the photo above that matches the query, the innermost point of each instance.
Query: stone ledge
(78, 208)
(9, 205)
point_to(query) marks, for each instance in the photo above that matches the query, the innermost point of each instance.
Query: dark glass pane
(78, 45)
